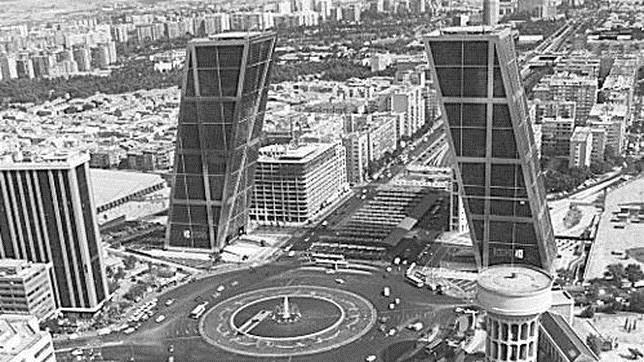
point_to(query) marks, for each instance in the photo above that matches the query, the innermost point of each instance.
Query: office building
(22, 340)
(581, 147)
(294, 183)
(491, 140)
(490, 12)
(25, 288)
(47, 215)
(514, 298)
(223, 99)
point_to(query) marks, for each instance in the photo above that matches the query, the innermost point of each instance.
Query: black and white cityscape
(317, 180)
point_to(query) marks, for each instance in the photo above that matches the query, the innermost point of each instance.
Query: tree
(129, 262)
(595, 343)
(588, 312)
(119, 274)
(617, 271)
(634, 273)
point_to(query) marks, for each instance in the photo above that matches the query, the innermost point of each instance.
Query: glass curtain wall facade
(493, 146)
(223, 100)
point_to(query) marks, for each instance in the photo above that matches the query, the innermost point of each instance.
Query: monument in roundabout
(287, 321)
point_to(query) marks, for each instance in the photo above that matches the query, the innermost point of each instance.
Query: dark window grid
(60, 193)
(82, 274)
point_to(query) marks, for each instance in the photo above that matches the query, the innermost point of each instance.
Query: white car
(339, 281)
(169, 302)
(160, 318)
(220, 288)
(129, 330)
(371, 358)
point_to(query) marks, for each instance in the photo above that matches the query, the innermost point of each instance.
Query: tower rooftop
(514, 290)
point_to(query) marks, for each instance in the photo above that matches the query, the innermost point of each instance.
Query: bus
(199, 310)
(415, 279)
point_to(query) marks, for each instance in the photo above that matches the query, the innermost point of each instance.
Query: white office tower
(514, 298)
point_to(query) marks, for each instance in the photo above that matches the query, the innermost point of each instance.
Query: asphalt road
(152, 341)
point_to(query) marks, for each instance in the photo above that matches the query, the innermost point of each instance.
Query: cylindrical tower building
(514, 298)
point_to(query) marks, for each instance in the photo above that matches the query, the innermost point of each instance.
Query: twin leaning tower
(223, 100)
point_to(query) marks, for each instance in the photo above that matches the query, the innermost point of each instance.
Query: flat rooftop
(232, 35)
(469, 31)
(289, 154)
(17, 333)
(113, 185)
(19, 269)
(57, 161)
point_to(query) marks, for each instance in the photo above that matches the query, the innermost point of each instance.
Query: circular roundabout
(287, 321)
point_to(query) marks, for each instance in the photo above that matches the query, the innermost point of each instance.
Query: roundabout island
(287, 321)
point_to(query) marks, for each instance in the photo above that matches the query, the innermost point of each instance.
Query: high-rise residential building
(579, 62)
(553, 109)
(581, 147)
(538, 8)
(83, 59)
(612, 118)
(490, 136)
(293, 184)
(8, 67)
(491, 12)
(100, 56)
(409, 100)
(22, 340)
(599, 144)
(357, 153)
(569, 87)
(25, 67)
(47, 215)
(25, 288)
(223, 99)
(507, 7)
(555, 136)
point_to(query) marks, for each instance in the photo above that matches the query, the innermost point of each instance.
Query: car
(392, 332)
(160, 318)
(370, 358)
(129, 330)
(220, 288)
(234, 283)
(291, 254)
(77, 352)
(339, 281)
(392, 306)
(169, 302)
(388, 269)
(216, 295)
(329, 271)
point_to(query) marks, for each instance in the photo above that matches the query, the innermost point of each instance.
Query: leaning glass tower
(223, 99)
(493, 147)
